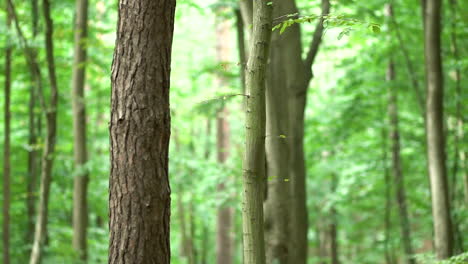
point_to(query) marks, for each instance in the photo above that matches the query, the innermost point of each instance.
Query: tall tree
(298, 75)
(139, 200)
(254, 159)
(6, 149)
(435, 137)
(80, 205)
(400, 192)
(397, 170)
(224, 241)
(33, 125)
(277, 204)
(40, 232)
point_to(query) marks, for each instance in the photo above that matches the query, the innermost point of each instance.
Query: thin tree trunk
(139, 200)
(443, 235)
(277, 204)
(80, 205)
(193, 250)
(400, 193)
(224, 241)
(6, 150)
(254, 160)
(334, 225)
(388, 201)
(458, 134)
(32, 138)
(40, 233)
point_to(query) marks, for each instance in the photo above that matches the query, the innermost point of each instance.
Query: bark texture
(443, 236)
(139, 200)
(277, 204)
(80, 205)
(224, 215)
(40, 233)
(254, 160)
(6, 151)
(397, 171)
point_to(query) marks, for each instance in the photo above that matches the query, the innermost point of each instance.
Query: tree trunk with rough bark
(443, 236)
(254, 160)
(6, 150)
(139, 200)
(40, 234)
(224, 215)
(80, 205)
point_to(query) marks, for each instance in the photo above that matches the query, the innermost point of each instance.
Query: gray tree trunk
(139, 200)
(80, 205)
(277, 204)
(443, 236)
(254, 160)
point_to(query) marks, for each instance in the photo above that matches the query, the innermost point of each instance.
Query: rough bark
(40, 233)
(6, 150)
(435, 132)
(139, 200)
(224, 241)
(397, 172)
(254, 160)
(277, 202)
(80, 205)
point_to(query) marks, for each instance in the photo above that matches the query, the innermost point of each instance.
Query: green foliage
(329, 21)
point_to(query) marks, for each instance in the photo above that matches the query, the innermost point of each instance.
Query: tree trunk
(224, 243)
(254, 160)
(40, 233)
(388, 201)
(298, 75)
(458, 162)
(435, 131)
(33, 126)
(400, 193)
(80, 205)
(334, 225)
(139, 200)
(6, 151)
(277, 203)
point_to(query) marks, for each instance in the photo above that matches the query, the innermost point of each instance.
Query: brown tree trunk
(443, 235)
(224, 241)
(400, 193)
(388, 201)
(139, 200)
(6, 150)
(80, 205)
(40, 233)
